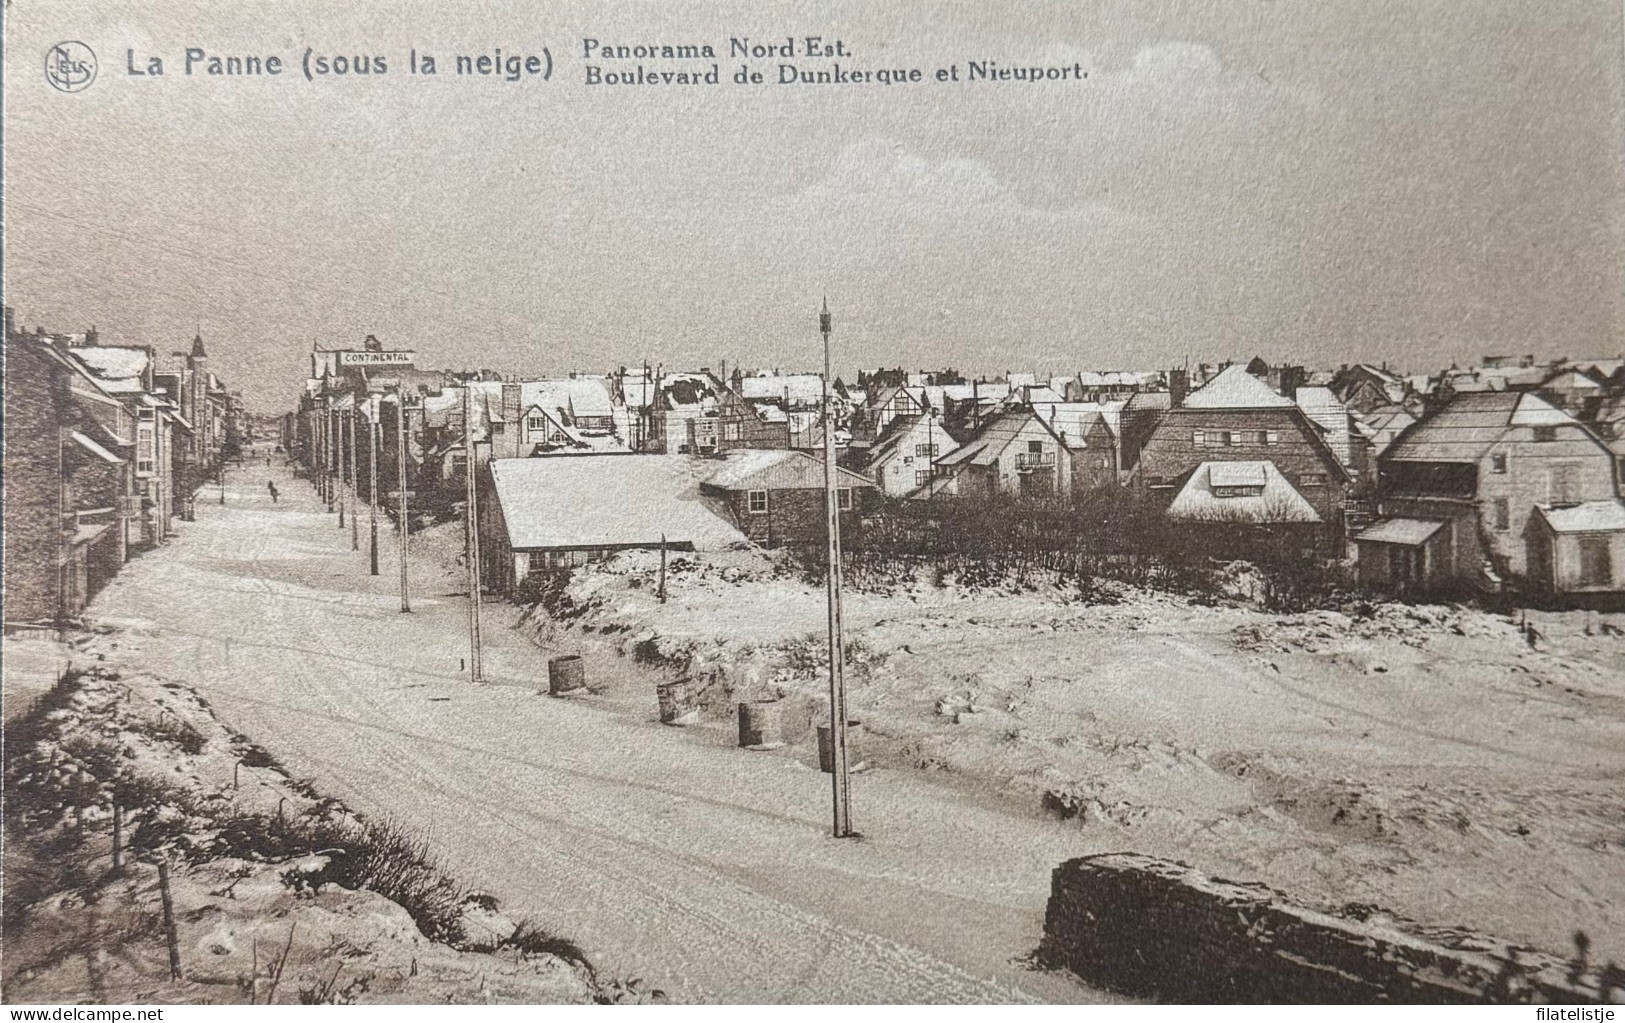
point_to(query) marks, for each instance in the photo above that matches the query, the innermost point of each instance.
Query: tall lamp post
(837, 653)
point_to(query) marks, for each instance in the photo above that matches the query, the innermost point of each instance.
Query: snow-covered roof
(776, 470)
(1072, 420)
(1463, 430)
(590, 501)
(117, 370)
(1590, 517)
(1276, 500)
(580, 397)
(793, 387)
(113, 363)
(1405, 532)
(1235, 388)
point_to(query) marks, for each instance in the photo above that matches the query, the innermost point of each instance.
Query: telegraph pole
(355, 487)
(374, 434)
(837, 653)
(471, 515)
(338, 461)
(405, 523)
(332, 458)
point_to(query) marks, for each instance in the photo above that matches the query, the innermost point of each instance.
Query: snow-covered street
(703, 869)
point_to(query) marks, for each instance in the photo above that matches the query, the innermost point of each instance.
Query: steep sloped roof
(1463, 430)
(1235, 388)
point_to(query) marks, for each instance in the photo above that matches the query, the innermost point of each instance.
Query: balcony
(1028, 461)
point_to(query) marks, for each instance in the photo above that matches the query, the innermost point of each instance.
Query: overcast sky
(1327, 181)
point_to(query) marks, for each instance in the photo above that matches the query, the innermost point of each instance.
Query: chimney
(90, 337)
(1289, 382)
(510, 403)
(1179, 385)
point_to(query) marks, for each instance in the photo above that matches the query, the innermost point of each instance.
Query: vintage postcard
(760, 503)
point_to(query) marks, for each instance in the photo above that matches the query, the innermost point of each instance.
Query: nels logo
(70, 66)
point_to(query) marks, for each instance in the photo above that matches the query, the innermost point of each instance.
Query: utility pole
(471, 515)
(338, 461)
(374, 435)
(837, 653)
(405, 523)
(355, 488)
(332, 458)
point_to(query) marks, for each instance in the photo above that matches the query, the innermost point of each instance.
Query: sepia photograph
(772, 503)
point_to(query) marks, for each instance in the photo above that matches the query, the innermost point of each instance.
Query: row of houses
(105, 449)
(1324, 454)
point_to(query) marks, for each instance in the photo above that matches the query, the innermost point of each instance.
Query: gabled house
(779, 498)
(1366, 388)
(1089, 432)
(904, 458)
(1016, 453)
(1470, 477)
(1235, 417)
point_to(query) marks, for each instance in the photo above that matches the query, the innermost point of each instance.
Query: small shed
(1579, 549)
(1404, 554)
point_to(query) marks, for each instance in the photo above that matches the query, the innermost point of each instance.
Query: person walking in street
(269, 485)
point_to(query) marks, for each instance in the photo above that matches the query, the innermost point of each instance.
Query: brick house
(1472, 475)
(777, 498)
(69, 490)
(736, 423)
(1235, 417)
(1089, 431)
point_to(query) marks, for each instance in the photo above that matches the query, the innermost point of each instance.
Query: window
(925, 451)
(145, 459)
(1230, 439)
(1545, 433)
(1312, 479)
(1503, 514)
(1271, 437)
(537, 423)
(922, 477)
(1199, 439)
(843, 499)
(756, 500)
(732, 431)
(1250, 490)
(1035, 447)
(1498, 462)
(1565, 484)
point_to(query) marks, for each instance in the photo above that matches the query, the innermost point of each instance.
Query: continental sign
(375, 358)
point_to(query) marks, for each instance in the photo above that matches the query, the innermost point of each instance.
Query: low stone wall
(1159, 929)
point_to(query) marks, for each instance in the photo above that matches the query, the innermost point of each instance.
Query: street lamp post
(837, 657)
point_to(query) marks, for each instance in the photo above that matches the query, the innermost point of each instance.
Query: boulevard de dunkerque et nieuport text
(788, 60)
